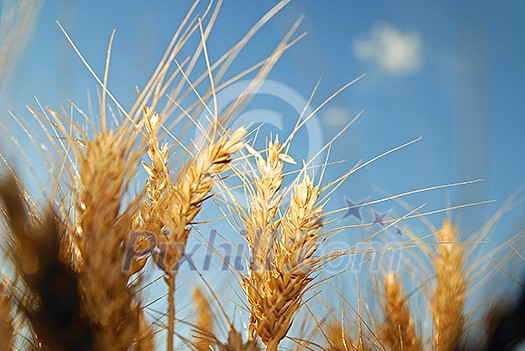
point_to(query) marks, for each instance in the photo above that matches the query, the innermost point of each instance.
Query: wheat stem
(170, 280)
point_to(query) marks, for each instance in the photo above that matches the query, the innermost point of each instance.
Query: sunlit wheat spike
(398, 330)
(158, 177)
(260, 223)
(174, 204)
(182, 201)
(281, 249)
(448, 300)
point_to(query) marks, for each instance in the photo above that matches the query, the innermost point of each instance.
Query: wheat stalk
(398, 328)
(182, 203)
(448, 299)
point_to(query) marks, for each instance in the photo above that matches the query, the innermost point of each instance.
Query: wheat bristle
(448, 300)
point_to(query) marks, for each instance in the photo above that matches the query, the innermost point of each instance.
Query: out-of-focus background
(451, 72)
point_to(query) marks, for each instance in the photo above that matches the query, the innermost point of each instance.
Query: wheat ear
(52, 301)
(281, 249)
(236, 343)
(193, 184)
(145, 340)
(261, 230)
(158, 177)
(174, 205)
(260, 223)
(105, 168)
(204, 338)
(6, 322)
(338, 339)
(398, 328)
(448, 299)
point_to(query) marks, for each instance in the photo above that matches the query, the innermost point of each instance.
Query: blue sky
(451, 72)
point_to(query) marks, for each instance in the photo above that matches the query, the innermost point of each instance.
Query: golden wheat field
(176, 222)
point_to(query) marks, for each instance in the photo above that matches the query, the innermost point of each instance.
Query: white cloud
(391, 49)
(336, 116)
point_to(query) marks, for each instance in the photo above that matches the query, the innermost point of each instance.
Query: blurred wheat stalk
(67, 289)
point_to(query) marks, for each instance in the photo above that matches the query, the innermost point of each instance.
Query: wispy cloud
(391, 49)
(336, 116)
